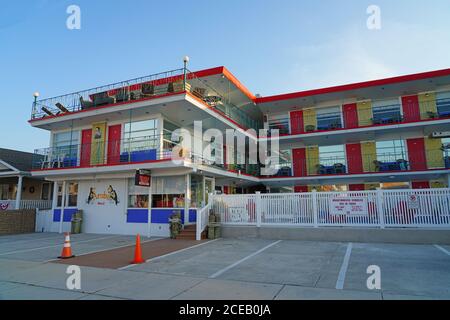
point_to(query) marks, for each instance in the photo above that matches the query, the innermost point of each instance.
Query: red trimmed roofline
(354, 86)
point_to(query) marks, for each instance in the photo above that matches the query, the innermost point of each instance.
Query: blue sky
(271, 46)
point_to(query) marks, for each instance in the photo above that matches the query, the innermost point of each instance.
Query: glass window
(446, 150)
(71, 195)
(329, 118)
(47, 191)
(386, 111)
(391, 151)
(331, 155)
(4, 189)
(285, 163)
(137, 196)
(65, 144)
(141, 135)
(443, 103)
(280, 122)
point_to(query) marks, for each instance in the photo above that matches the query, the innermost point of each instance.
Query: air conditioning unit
(443, 134)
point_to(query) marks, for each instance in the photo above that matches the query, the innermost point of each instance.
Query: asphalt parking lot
(227, 269)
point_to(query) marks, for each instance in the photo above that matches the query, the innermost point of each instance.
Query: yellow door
(312, 160)
(434, 153)
(369, 156)
(309, 120)
(437, 184)
(365, 114)
(427, 105)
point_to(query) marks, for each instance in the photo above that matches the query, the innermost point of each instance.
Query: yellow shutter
(369, 155)
(365, 114)
(312, 160)
(312, 187)
(371, 186)
(434, 153)
(427, 105)
(437, 184)
(309, 119)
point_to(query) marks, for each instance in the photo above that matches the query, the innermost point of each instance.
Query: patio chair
(199, 92)
(310, 128)
(147, 90)
(86, 104)
(339, 168)
(321, 169)
(102, 98)
(377, 165)
(122, 95)
(432, 114)
(403, 164)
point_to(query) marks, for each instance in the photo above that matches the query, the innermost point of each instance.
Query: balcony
(380, 163)
(150, 87)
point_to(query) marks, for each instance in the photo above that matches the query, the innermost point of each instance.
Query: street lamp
(186, 61)
(36, 96)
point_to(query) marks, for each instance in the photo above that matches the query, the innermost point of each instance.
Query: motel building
(384, 134)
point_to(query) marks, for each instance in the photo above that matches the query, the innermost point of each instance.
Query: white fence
(381, 208)
(202, 220)
(25, 204)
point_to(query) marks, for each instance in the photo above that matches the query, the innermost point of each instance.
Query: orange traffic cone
(138, 252)
(67, 250)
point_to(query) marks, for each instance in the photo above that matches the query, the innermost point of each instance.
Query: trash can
(77, 219)
(175, 224)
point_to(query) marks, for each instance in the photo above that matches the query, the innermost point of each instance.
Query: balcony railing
(385, 162)
(144, 88)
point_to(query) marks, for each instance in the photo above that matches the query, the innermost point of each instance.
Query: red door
(421, 185)
(411, 110)
(114, 135)
(299, 162)
(354, 158)
(297, 122)
(350, 115)
(86, 140)
(298, 189)
(416, 154)
(357, 187)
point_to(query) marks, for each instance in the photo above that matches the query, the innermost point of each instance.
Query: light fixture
(186, 59)
(36, 94)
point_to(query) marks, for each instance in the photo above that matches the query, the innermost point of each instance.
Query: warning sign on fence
(413, 202)
(349, 206)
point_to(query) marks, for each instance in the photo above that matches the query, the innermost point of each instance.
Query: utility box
(77, 220)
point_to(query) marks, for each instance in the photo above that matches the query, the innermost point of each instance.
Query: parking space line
(220, 272)
(442, 249)
(169, 254)
(344, 267)
(107, 249)
(54, 246)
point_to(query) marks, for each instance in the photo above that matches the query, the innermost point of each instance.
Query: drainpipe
(19, 192)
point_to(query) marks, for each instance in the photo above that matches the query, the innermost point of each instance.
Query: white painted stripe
(169, 254)
(443, 249)
(218, 273)
(344, 267)
(108, 249)
(53, 246)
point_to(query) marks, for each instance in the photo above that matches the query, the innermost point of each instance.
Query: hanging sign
(349, 206)
(143, 178)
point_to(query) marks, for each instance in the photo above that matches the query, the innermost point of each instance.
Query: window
(65, 144)
(169, 127)
(47, 191)
(391, 151)
(446, 150)
(386, 111)
(331, 155)
(4, 190)
(280, 122)
(285, 163)
(443, 103)
(329, 118)
(168, 192)
(137, 196)
(141, 135)
(71, 195)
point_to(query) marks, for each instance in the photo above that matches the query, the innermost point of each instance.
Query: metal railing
(382, 162)
(203, 218)
(425, 208)
(25, 204)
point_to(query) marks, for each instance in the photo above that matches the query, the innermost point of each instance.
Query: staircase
(189, 232)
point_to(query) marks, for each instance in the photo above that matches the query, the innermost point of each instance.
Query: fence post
(380, 210)
(258, 209)
(198, 233)
(315, 210)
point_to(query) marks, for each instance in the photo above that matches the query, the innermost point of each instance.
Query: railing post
(199, 225)
(380, 210)
(315, 209)
(258, 208)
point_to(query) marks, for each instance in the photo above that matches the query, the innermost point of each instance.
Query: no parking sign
(413, 201)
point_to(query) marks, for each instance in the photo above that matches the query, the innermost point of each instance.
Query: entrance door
(416, 154)
(350, 115)
(209, 187)
(86, 141)
(411, 109)
(114, 135)
(299, 162)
